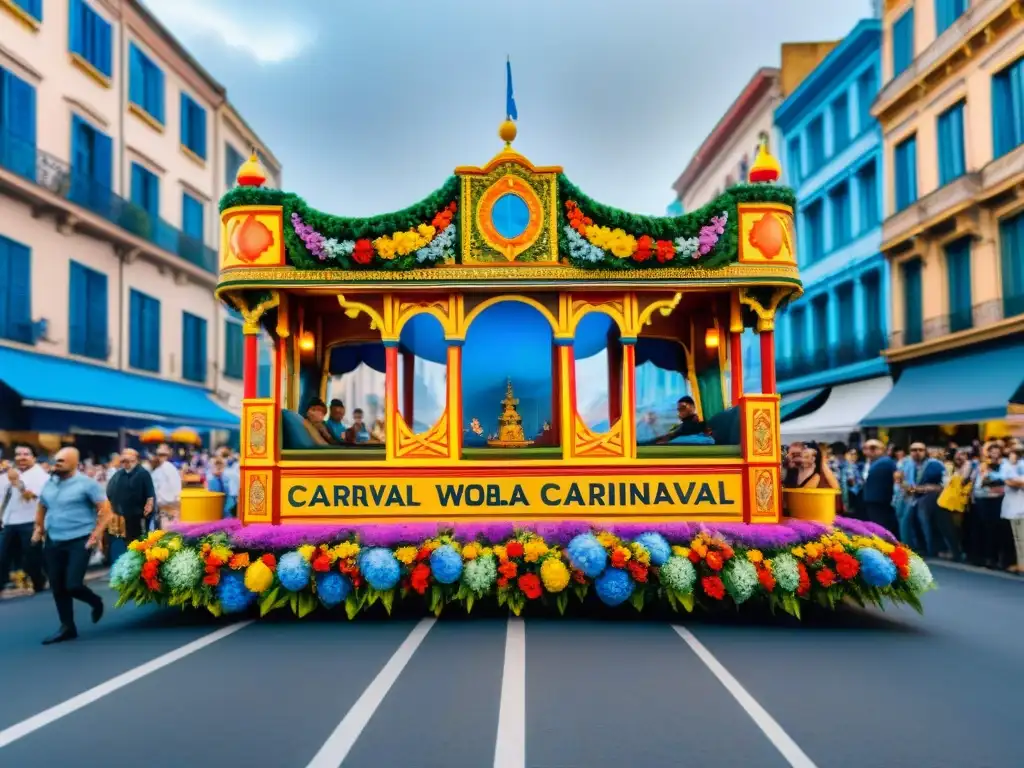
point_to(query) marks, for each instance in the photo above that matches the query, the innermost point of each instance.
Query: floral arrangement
(230, 569)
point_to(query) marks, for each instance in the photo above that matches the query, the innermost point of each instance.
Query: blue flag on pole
(511, 113)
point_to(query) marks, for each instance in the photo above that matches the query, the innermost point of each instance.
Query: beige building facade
(116, 146)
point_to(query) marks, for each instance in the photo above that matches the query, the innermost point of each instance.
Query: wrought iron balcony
(59, 178)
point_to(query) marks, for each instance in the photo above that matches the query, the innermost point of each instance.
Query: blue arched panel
(666, 354)
(347, 357)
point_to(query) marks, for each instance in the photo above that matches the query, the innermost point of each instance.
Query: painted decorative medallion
(764, 493)
(763, 432)
(258, 435)
(257, 498)
(252, 236)
(510, 216)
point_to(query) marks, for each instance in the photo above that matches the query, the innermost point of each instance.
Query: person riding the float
(358, 432)
(336, 420)
(689, 423)
(316, 412)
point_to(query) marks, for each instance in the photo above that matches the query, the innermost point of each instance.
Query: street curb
(14, 593)
(963, 567)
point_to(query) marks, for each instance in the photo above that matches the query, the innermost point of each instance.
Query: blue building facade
(829, 342)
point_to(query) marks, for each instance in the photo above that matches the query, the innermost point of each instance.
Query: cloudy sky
(371, 105)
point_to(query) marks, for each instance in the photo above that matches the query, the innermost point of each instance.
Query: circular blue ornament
(510, 215)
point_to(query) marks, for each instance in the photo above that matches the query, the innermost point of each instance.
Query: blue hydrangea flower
(446, 564)
(876, 569)
(332, 588)
(587, 554)
(380, 568)
(657, 545)
(293, 571)
(232, 593)
(614, 587)
(126, 569)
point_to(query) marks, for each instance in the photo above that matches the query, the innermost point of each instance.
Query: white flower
(687, 247)
(441, 247)
(334, 248)
(580, 249)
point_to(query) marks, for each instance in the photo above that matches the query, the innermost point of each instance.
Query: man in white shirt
(167, 482)
(20, 489)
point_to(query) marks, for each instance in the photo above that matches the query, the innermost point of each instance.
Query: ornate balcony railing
(56, 176)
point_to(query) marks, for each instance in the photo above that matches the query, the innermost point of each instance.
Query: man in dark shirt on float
(131, 494)
(688, 424)
(879, 483)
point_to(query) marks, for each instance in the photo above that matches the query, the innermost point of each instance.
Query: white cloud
(262, 35)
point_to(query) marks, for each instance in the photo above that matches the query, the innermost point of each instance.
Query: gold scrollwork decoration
(765, 314)
(251, 317)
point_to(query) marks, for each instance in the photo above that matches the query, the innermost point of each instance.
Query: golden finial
(251, 174)
(765, 168)
(507, 132)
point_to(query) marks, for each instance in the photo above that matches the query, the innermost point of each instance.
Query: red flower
(904, 571)
(420, 578)
(363, 252)
(619, 558)
(714, 561)
(508, 569)
(900, 556)
(767, 580)
(502, 582)
(644, 248)
(529, 584)
(694, 557)
(269, 560)
(805, 581)
(726, 551)
(666, 251)
(713, 587)
(357, 580)
(579, 576)
(514, 549)
(321, 563)
(453, 206)
(212, 579)
(638, 571)
(847, 565)
(423, 554)
(826, 577)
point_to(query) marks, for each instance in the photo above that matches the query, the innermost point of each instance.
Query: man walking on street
(879, 472)
(72, 516)
(131, 494)
(167, 482)
(19, 497)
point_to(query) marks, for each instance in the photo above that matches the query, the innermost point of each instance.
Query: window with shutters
(952, 157)
(87, 313)
(233, 346)
(1008, 109)
(903, 42)
(232, 162)
(33, 8)
(841, 132)
(17, 125)
(193, 126)
(146, 190)
(193, 348)
(905, 171)
(89, 36)
(16, 295)
(145, 84)
(144, 333)
(839, 204)
(913, 302)
(92, 167)
(867, 195)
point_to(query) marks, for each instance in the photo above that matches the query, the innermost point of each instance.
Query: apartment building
(951, 110)
(829, 342)
(115, 146)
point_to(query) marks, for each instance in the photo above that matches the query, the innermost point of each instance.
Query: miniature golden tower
(510, 424)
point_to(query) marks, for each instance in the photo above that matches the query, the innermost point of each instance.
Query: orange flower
(714, 561)
(767, 580)
(508, 569)
(239, 561)
(666, 251)
(619, 557)
(726, 551)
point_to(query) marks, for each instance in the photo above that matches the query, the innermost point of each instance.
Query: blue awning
(802, 403)
(967, 388)
(55, 383)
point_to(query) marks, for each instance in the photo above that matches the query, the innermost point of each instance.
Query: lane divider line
(25, 727)
(340, 742)
(778, 737)
(510, 746)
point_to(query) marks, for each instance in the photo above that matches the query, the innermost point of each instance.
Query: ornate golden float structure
(329, 290)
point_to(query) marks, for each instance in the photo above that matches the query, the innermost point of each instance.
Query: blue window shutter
(103, 161)
(155, 92)
(137, 192)
(151, 337)
(75, 27)
(18, 123)
(135, 330)
(5, 298)
(96, 341)
(201, 350)
(1008, 108)
(136, 77)
(184, 120)
(106, 48)
(191, 216)
(19, 292)
(78, 302)
(951, 144)
(1011, 247)
(958, 273)
(903, 42)
(912, 302)
(905, 161)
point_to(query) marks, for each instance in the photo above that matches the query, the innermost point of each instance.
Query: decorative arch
(558, 327)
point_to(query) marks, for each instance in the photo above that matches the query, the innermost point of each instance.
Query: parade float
(508, 276)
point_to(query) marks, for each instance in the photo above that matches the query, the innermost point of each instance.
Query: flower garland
(592, 244)
(217, 571)
(428, 243)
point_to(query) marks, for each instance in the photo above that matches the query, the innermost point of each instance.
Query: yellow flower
(137, 546)
(607, 539)
(499, 550)
(885, 547)
(258, 577)
(814, 550)
(455, 545)
(174, 544)
(307, 550)
(158, 553)
(221, 552)
(345, 549)
(405, 555)
(699, 547)
(554, 574)
(599, 236)
(797, 551)
(534, 549)
(486, 552)
(432, 544)
(155, 535)
(680, 551)
(622, 245)
(426, 231)
(385, 247)
(755, 556)
(470, 552)
(640, 553)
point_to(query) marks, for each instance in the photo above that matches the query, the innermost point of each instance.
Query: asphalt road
(858, 689)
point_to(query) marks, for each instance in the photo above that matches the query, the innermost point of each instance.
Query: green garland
(669, 228)
(344, 228)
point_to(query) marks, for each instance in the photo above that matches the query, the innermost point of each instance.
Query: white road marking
(510, 746)
(54, 713)
(340, 743)
(778, 737)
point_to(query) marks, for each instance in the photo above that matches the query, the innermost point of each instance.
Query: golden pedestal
(817, 504)
(199, 505)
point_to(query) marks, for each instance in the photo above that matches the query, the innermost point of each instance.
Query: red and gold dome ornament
(251, 173)
(766, 169)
